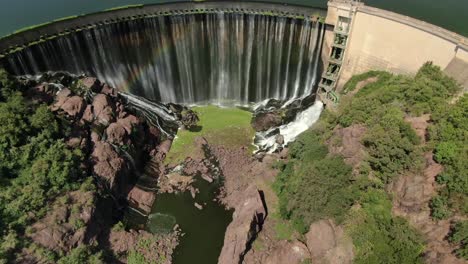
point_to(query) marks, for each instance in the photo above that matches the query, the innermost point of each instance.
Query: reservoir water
(450, 14)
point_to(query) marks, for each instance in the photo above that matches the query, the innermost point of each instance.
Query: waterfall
(220, 58)
(266, 141)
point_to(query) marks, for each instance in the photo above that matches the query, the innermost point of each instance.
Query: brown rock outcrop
(347, 143)
(119, 132)
(247, 222)
(156, 249)
(88, 115)
(265, 121)
(103, 109)
(328, 244)
(60, 98)
(293, 252)
(73, 106)
(65, 226)
(116, 134)
(91, 83)
(419, 124)
(109, 165)
(141, 199)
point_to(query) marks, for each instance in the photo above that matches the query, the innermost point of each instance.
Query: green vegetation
(379, 237)
(82, 254)
(318, 185)
(460, 236)
(284, 229)
(35, 165)
(352, 83)
(220, 126)
(147, 251)
(312, 185)
(449, 137)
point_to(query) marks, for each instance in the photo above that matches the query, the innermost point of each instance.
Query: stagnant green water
(450, 14)
(204, 229)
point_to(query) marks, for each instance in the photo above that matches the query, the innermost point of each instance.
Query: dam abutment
(383, 40)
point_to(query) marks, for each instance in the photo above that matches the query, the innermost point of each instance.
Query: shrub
(313, 186)
(379, 237)
(82, 254)
(439, 208)
(460, 235)
(391, 144)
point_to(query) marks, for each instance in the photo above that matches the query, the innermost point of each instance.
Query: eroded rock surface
(142, 199)
(291, 252)
(347, 143)
(412, 194)
(327, 243)
(66, 225)
(246, 223)
(154, 248)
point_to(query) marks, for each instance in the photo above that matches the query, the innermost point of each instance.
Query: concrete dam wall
(215, 52)
(357, 38)
(383, 40)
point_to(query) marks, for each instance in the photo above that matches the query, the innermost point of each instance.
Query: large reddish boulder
(141, 199)
(246, 223)
(64, 227)
(73, 106)
(106, 89)
(92, 83)
(61, 97)
(116, 134)
(327, 243)
(291, 252)
(109, 166)
(265, 121)
(88, 115)
(119, 132)
(103, 109)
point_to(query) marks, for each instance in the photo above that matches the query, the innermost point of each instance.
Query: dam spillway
(221, 58)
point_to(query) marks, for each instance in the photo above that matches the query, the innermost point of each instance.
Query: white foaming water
(302, 122)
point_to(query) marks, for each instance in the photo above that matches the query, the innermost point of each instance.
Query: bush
(449, 136)
(460, 235)
(439, 208)
(391, 144)
(35, 165)
(352, 83)
(379, 237)
(313, 186)
(82, 254)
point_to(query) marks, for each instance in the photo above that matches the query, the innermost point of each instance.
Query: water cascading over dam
(221, 58)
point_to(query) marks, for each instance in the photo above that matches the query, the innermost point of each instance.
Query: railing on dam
(15, 42)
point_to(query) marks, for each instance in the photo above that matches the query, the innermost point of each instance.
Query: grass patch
(284, 230)
(352, 83)
(229, 127)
